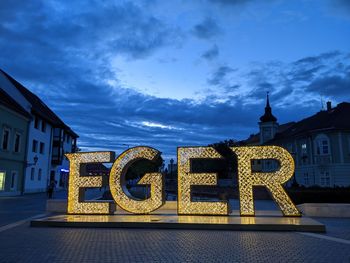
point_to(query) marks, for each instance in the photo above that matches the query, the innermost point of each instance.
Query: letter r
(271, 180)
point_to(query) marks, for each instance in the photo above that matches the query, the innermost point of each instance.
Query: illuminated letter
(117, 182)
(77, 183)
(271, 180)
(185, 179)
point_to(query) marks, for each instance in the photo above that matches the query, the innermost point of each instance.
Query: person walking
(50, 189)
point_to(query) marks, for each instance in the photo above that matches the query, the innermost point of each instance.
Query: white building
(49, 138)
(320, 145)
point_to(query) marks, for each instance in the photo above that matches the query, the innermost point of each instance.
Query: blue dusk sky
(176, 72)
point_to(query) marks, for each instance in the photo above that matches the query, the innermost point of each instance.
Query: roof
(11, 104)
(333, 119)
(268, 116)
(39, 107)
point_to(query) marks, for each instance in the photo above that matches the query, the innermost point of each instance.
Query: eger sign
(247, 179)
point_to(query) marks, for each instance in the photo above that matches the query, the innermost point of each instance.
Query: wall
(36, 184)
(11, 161)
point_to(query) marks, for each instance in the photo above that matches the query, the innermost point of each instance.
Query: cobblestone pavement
(22, 243)
(29, 244)
(17, 208)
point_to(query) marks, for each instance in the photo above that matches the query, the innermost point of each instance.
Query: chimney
(329, 105)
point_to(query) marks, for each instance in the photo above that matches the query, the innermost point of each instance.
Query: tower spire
(267, 117)
(267, 100)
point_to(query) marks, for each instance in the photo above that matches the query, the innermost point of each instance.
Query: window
(42, 147)
(303, 149)
(32, 172)
(322, 145)
(43, 126)
(17, 143)
(36, 122)
(266, 134)
(325, 179)
(39, 174)
(13, 180)
(68, 138)
(306, 179)
(35, 146)
(5, 139)
(2, 181)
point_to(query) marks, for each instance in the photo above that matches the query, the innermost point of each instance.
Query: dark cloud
(331, 86)
(127, 117)
(230, 2)
(58, 38)
(306, 74)
(219, 75)
(315, 60)
(301, 82)
(63, 50)
(341, 5)
(211, 53)
(207, 29)
(259, 90)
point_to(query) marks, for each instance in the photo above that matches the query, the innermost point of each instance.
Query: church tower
(268, 123)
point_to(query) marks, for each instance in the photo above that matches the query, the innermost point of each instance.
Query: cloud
(211, 53)
(342, 6)
(231, 2)
(126, 117)
(331, 86)
(69, 35)
(207, 29)
(317, 59)
(63, 52)
(219, 75)
(293, 86)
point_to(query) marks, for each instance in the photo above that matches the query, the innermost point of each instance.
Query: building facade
(14, 124)
(48, 139)
(319, 144)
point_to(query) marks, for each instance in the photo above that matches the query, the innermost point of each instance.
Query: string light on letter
(271, 180)
(185, 206)
(117, 182)
(77, 183)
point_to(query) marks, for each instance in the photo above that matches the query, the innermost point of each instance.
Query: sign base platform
(265, 221)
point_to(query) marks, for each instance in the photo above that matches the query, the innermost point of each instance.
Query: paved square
(21, 243)
(26, 244)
